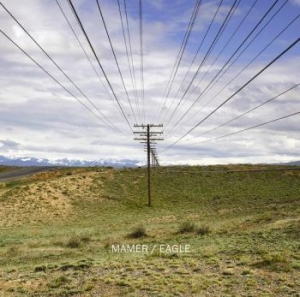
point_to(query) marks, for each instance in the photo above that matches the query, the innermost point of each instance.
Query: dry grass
(47, 200)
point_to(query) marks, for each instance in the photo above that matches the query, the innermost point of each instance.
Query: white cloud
(38, 118)
(296, 2)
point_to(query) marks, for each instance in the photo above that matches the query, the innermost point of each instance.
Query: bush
(85, 238)
(58, 282)
(187, 227)
(138, 232)
(13, 250)
(274, 262)
(73, 242)
(203, 230)
(42, 268)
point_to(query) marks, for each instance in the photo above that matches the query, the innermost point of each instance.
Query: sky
(221, 74)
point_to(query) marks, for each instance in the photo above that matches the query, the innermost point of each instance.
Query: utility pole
(155, 162)
(149, 137)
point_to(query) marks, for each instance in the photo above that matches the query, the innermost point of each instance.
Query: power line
(199, 48)
(131, 56)
(115, 57)
(182, 49)
(52, 60)
(82, 47)
(235, 59)
(249, 128)
(217, 37)
(250, 110)
(98, 61)
(247, 65)
(141, 56)
(236, 92)
(53, 78)
(180, 55)
(227, 62)
(127, 55)
(220, 31)
(207, 71)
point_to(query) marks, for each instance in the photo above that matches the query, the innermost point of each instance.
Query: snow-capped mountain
(26, 161)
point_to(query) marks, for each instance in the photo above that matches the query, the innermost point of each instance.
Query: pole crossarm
(145, 126)
(146, 139)
(145, 133)
(150, 142)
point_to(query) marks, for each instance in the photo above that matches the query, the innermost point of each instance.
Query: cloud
(296, 2)
(38, 118)
(8, 144)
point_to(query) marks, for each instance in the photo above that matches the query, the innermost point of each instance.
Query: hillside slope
(234, 231)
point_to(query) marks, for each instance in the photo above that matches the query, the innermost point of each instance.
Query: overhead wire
(212, 83)
(220, 71)
(245, 48)
(226, 44)
(248, 64)
(115, 57)
(130, 67)
(142, 57)
(59, 83)
(217, 37)
(199, 48)
(177, 66)
(180, 55)
(237, 91)
(83, 49)
(99, 63)
(58, 67)
(227, 62)
(222, 29)
(131, 58)
(249, 128)
(250, 110)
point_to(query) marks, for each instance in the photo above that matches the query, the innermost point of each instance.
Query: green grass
(13, 184)
(210, 232)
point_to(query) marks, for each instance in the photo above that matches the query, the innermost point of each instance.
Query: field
(212, 231)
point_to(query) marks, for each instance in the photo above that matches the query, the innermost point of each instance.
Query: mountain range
(295, 163)
(116, 163)
(26, 161)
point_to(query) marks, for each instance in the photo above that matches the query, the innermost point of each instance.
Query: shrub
(58, 282)
(85, 238)
(274, 262)
(203, 230)
(13, 250)
(138, 232)
(42, 268)
(73, 242)
(187, 227)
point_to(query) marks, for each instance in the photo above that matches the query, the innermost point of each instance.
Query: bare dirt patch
(48, 199)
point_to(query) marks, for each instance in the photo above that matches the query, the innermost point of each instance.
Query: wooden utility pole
(148, 137)
(148, 165)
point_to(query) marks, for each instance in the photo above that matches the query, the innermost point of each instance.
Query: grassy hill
(212, 231)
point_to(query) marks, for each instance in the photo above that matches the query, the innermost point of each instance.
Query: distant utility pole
(154, 158)
(149, 137)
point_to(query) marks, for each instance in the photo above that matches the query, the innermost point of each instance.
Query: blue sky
(40, 119)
